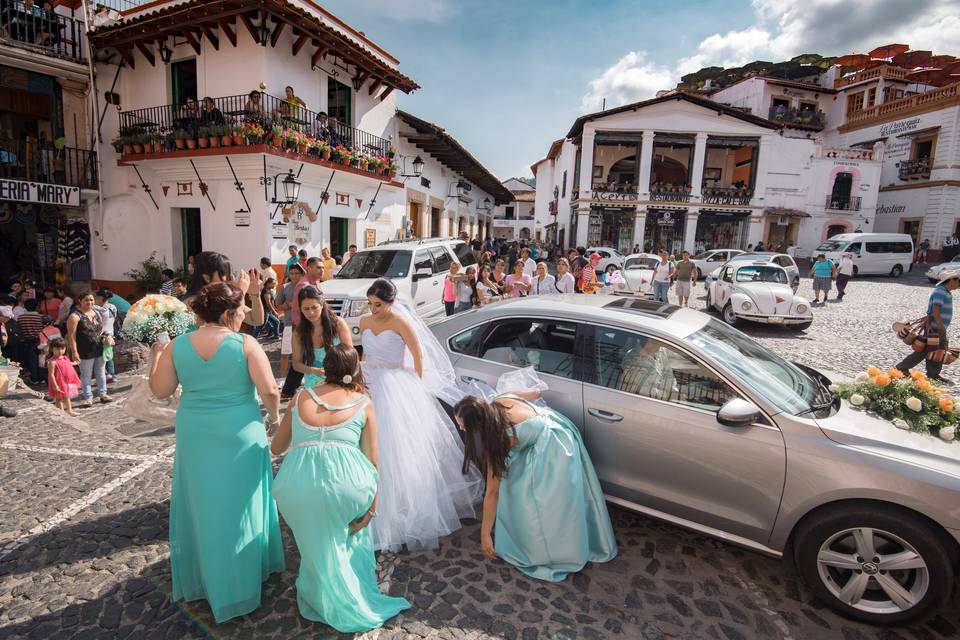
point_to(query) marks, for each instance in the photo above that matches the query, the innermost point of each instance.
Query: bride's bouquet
(154, 315)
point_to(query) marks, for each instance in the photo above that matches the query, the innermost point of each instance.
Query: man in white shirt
(267, 271)
(792, 251)
(529, 266)
(844, 273)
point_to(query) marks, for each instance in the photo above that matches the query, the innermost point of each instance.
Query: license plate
(775, 320)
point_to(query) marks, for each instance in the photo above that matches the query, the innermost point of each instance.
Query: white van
(873, 253)
(416, 267)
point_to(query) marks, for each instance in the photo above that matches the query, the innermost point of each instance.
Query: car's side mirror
(738, 412)
(423, 272)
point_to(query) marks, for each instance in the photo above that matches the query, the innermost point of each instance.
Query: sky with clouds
(506, 77)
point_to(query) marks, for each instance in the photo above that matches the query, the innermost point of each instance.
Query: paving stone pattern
(84, 554)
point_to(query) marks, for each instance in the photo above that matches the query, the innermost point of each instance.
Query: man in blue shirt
(939, 314)
(292, 260)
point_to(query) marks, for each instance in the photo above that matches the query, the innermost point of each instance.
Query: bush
(147, 273)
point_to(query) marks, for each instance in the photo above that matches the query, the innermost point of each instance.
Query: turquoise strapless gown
(551, 514)
(224, 529)
(310, 380)
(325, 483)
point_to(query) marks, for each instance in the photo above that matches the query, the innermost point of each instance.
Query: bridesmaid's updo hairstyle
(383, 289)
(209, 263)
(342, 368)
(488, 435)
(214, 299)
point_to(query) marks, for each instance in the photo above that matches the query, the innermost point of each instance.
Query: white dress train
(423, 492)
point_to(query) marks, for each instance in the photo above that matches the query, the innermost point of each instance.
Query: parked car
(417, 268)
(688, 420)
(782, 259)
(873, 253)
(710, 260)
(758, 292)
(610, 259)
(638, 272)
(933, 273)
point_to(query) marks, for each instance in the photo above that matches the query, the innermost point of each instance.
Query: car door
(720, 290)
(650, 412)
(856, 248)
(488, 350)
(793, 272)
(424, 291)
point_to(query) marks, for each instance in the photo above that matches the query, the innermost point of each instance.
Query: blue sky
(508, 77)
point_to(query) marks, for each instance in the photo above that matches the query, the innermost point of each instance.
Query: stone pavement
(83, 540)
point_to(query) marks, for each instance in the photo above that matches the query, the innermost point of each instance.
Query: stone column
(690, 232)
(646, 165)
(763, 162)
(586, 164)
(696, 174)
(640, 226)
(583, 226)
(755, 233)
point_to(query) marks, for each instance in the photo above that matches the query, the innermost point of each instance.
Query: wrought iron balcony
(843, 204)
(726, 195)
(31, 160)
(245, 120)
(914, 169)
(45, 32)
(669, 194)
(799, 118)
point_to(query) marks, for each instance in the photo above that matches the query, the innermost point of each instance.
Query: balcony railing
(669, 194)
(726, 195)
(257, 119)
(31, 160)
(914, 169)
(886, 71)
(801, 118)
(843, 204)
(46, 32)
(920, 102)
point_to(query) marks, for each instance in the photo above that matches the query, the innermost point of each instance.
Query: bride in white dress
(423, 490)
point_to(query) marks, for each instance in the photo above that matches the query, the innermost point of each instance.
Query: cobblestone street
(84, 554)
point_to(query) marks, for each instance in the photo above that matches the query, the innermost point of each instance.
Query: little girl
(62, 380)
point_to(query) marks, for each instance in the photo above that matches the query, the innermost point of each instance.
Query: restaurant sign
(39, 192)
(614, 195)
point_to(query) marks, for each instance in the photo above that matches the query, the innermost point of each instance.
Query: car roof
(756, 263)
(413, 244)
(643, 255)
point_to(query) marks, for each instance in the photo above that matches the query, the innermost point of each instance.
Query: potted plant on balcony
(276, 135)
(214, 136)
(204, 137)
(180, 138)
(169, 141)
(391, 152)
(226, 135)
(303, 143)
(324, 149)
(363, 162)
(117, 144)
(138, 142)
(391, 169)
(239, 134)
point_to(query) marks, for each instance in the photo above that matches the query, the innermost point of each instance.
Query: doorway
(183, 81)
(191, 240)
(836, 229)
(338, 236)
(414, 216)
(339, 102)
(434, 222)
(842, 187)
(913, 228)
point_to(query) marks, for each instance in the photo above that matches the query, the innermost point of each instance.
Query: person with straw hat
(939, 314)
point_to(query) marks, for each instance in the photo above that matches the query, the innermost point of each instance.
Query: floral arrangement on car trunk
(155, 314)
(910, 402)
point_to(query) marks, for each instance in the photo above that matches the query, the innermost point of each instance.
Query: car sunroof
(641, 305)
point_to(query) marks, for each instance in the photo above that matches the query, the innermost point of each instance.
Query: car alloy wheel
(897, 271)
(873, 571)
(729, 315)
(611, 268)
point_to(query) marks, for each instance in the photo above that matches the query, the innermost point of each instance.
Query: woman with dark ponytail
(543, 510)
(319, 329)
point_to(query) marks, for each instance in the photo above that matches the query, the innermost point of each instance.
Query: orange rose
(946, 405)
(873, 372)
(918, 375)
(896, 374)
(923, 385)
(882, 380)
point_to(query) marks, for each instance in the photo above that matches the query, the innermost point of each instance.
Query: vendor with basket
(931, 345)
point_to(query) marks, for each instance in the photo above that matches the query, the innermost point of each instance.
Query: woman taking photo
(85, 341)
(499, 275)
(319, 329)
(487, 290)
(224, 529)
(210, 267)
(467, 290)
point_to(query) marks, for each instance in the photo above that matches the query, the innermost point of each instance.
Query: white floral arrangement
(154, 315)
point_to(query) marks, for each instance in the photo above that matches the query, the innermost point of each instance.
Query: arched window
(842, 186)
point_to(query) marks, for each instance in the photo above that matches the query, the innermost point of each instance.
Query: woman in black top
(85, 346)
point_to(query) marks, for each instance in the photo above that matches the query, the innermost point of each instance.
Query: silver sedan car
(689, 420)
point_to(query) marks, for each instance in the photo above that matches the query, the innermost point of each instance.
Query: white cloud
(786, 28)
(631, 78)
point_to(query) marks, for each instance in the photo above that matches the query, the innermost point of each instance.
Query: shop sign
(614, 196)
(666, 218)
(298, 229)
(278, 231)
(369, 238)
(39, 192)
(899, 127)
(885, 209)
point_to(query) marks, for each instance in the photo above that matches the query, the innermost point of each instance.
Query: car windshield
(831, 245)
(753, 273)
(380, 263)
(641, 263)
(782, 384)
(702, 256)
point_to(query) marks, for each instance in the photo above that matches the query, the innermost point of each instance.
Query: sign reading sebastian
(39, 192)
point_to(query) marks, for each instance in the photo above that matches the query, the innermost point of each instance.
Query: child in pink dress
(63, 383)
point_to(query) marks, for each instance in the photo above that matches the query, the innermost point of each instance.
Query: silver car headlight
(801, 308)
(746, 305)
(357, 308)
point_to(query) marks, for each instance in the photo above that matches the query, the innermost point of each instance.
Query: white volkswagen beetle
(638, 272)
(759, 292)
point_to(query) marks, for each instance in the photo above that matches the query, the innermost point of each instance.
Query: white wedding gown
(423, 493)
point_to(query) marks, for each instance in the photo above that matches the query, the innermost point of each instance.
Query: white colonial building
(684, 172)
(515, 220)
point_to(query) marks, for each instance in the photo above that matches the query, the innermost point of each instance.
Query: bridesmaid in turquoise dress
(319, 328)
(327, 492)
(543, 510)
(224, 529)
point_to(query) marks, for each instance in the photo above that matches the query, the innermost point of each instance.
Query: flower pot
(226, 141)
(325, 155)
(180, 143)
(137, 148)
(239, 139)
(191, 143)
(363, 165)
(118, 147)
(127, 149)
(302, 148)
(214, 141)
(277, 141)
(203, 142)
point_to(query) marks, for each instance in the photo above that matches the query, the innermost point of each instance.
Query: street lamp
(165, 52)
(556, 192)
(485, 206)
(417, 168)
(291, 188)
(357, 83)
(264, 31)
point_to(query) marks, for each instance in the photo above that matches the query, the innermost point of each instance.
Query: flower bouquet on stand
(154, 318)
(910, 402)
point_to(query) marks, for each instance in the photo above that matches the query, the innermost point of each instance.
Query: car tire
(803, 326)
(856, 271)
(611, 268)
(826, 552)
(730, 316)
(709, 308)
(897, 271)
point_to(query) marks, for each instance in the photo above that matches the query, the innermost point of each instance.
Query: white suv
(416, 267)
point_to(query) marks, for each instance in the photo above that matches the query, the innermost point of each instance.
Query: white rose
(856, 400)
(834, 388)
(948, 433)
(862, 377)
(914, 404)
(900, 423)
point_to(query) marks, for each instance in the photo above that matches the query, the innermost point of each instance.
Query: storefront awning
(783, 211)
